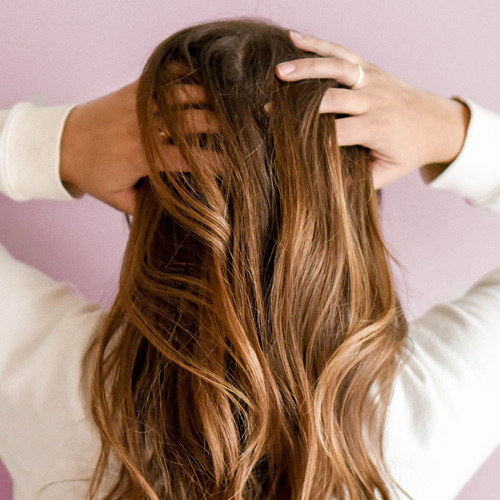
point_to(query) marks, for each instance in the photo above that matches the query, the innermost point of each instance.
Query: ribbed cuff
(30, 153)
(475, 173)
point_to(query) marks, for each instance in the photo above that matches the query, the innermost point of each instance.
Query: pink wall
(71, 51)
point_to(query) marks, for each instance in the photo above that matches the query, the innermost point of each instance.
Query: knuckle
(361, 103)
(312, 41)
(324, 45)
(309, 67)
(370, 71)
(329, 100)
(373, 124)
(345, 65)
(369, 67)
(337, 46)
(317, 63)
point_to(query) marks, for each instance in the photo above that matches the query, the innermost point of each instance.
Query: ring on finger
(360, 79)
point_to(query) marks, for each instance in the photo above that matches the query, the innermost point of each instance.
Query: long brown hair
(256, 335)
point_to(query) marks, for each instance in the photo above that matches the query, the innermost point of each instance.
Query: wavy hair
(254, 341)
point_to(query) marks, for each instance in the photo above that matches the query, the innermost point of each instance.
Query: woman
(311, 341)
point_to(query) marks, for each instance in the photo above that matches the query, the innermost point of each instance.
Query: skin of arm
(458, 123)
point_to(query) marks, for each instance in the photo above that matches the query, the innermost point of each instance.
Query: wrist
(69, 154)
(451, 121)
(449, 130)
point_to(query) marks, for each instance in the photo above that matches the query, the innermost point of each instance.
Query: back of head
(256, 335)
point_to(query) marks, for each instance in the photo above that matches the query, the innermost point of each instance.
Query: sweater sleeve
(29, 152)
(444, 417)
(45, 326)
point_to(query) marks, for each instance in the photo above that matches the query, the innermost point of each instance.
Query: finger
(184, 95)
(337, 68)
(174, 161)
(198, 121)
(343, 101)
(178, 68)
(352, 131)
(192, 121)
(323, 48)
(339, 101)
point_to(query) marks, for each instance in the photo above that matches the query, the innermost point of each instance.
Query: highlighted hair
(256, 335)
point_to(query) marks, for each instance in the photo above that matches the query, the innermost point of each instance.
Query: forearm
(72, 142)
(455, 121)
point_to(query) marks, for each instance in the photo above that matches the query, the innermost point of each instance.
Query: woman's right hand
(405, 128)
(101, 151)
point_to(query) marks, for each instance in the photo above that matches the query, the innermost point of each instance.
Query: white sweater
(444, 415)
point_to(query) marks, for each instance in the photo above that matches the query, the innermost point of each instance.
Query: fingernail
(295, 34)
(286, 68)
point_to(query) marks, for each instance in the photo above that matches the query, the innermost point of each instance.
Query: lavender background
(71, 51)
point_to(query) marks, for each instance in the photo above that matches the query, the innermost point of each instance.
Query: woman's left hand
(404, 127)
